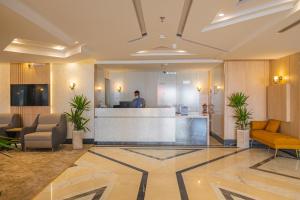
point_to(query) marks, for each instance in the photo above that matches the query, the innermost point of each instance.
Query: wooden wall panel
(252, 78)
(290, 66)
(279, 101)
(23, 73)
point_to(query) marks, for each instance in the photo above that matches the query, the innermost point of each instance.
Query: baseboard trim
(222, 141)
(145, 144)
(85, 141)
(230, 142)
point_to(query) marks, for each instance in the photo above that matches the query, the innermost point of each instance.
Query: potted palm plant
(238, 101)
(79, 104)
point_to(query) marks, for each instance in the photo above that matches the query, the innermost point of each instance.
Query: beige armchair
(8, 121)
(47, 131)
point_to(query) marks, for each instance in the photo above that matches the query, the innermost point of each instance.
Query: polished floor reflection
(177, 173)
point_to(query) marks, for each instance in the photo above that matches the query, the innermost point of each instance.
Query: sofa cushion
(258, 125)
(49, 119)
(45, 127)
(38, 136)
(274, 138)
(273, 126)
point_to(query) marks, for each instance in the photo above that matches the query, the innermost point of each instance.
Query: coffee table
(13, 134)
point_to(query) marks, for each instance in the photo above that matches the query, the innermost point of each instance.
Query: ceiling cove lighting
(184, 16)
(140, 17)
(25, 46)
(221, 14)
(273, 7)
(183, 19)
(161, 51)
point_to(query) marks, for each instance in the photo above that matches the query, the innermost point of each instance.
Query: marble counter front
(149, 125)
(135, 125)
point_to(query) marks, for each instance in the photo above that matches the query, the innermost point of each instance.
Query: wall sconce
(72, 85)
(217, 88)
(199, 88)
(277, 79)
(99, 88)
(119, 89)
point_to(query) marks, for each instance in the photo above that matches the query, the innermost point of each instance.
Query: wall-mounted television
(29, 95)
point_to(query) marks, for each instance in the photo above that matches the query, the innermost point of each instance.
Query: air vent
(289, 26)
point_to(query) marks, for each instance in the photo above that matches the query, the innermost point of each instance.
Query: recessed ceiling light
(141, 52)
(59, 48)
(181, 51)
(17, 41)
(162, 36)
(221, 14)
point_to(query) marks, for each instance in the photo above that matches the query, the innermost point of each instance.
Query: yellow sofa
(266, 132)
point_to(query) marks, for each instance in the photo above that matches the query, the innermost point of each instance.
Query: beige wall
(290, 67)
(4, 87)
(83, 75)
(251, 77)
(217, 99)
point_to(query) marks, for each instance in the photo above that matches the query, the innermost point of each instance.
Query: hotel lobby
(149, 99)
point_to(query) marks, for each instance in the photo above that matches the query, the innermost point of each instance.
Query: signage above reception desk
(149, 126)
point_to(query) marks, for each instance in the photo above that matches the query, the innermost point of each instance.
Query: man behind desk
(138, 102)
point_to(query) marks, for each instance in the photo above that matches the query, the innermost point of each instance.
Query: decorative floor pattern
(177, 173)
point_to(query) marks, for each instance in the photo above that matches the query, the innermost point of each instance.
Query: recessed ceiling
(179, 67)
(105, 27)
(24, 46)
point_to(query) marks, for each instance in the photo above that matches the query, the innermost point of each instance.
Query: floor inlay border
(256, 167)
(157, 158)
(180, 181)
(143, 182)
(98, 194)
(228, 195)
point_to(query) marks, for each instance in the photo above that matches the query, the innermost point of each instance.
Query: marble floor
(171, 173)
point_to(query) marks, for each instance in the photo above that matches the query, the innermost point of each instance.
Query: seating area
(47, 131)
(267, 132)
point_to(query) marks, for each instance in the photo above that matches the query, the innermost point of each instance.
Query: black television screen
(29, 95)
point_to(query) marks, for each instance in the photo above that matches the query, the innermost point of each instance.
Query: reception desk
(149, 125)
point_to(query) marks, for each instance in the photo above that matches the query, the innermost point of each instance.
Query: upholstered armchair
(8, 121)
(47, 131)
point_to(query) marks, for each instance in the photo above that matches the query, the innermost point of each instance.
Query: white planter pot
(77, 139)
(242, 137)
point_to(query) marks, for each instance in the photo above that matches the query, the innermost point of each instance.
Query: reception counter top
(134, 112)
(149, 125)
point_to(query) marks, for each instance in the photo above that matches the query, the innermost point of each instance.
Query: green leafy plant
(79, 104)
(238, 101)
(6, 143)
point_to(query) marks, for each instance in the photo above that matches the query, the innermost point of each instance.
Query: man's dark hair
(137, 92)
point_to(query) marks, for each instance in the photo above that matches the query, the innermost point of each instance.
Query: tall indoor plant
(79, 104)
(238, 101)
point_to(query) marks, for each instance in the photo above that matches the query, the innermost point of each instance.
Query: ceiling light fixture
(162, 36)
(221, 14)
(25, 46)
(59, 48)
